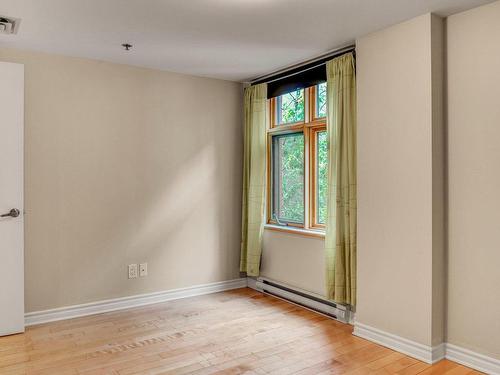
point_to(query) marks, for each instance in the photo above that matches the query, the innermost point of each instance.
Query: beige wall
(438, 135)
(295, 260)
(397, 208)
(473, 39)
(127, 165)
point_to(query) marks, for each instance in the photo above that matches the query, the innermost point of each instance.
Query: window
(321, 100)
(288, 178)
(290, 108)
(297, 159)
(320, 182)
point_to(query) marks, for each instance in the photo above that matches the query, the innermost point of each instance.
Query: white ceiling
(227, 39)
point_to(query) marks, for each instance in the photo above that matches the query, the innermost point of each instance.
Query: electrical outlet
(143, 269)
(132, 271)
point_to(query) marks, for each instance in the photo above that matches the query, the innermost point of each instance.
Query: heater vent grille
(336, 311)
(9, 25)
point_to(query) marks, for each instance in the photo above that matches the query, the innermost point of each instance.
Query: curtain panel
(340, 238)
(254, 178)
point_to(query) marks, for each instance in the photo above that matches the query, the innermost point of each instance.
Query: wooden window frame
(313, 180)
(309, 127)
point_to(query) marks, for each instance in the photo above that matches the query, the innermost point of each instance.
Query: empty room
(249, 187)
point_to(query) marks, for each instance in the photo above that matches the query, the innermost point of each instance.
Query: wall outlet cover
(132, 271)
(143, 269)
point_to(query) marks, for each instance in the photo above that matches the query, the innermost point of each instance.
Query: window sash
(279, 110)
(316, 104)
(314, 179)
(277, 182)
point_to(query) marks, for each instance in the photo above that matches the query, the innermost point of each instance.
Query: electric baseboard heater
(308, 300)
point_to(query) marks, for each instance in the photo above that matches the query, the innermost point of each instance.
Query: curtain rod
(295, 69)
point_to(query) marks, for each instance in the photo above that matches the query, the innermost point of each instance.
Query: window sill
(299, 231)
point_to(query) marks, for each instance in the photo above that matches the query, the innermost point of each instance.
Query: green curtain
(254, 178)
(340, 239)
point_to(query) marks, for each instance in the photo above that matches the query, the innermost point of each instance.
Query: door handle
(12, 213)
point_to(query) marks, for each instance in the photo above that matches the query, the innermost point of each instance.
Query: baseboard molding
(413, 349)
(429, 354)
(75, 311)
(252, 283)
(472, 359)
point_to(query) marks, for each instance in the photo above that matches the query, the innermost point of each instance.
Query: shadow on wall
(179, 219)
(175, 207)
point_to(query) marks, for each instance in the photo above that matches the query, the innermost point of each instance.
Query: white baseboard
(429, 354)
(68, 312)
(472, 359)
(252, 283)
(413, 349)
(438, 352)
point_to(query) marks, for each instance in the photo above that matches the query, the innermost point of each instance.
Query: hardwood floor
(235, 332)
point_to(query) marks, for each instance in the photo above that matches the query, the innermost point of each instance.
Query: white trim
(472, 359)
(294, 230)
(98, 307)
(429, 354)
(438, 352)
(352, 318)
(413, 349)
(252, 284)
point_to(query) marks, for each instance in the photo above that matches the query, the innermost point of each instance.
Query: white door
(11, 198)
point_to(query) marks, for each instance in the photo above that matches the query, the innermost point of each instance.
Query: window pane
(288, 177)
(321, 172)
(321, 100)
(290, 107)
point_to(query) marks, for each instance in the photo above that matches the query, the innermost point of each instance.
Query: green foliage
(291, 177)
(322, 165)
(291, 107)
(321, 100)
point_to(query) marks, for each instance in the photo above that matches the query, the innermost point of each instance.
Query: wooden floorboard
(235, 332)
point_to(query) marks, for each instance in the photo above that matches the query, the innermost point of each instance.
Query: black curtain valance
(306, 75)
